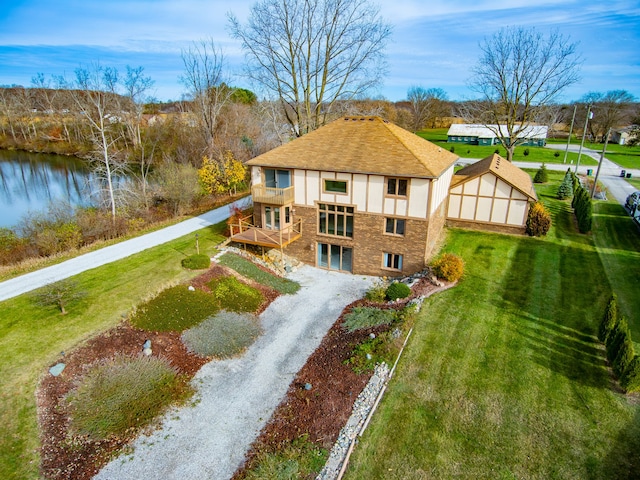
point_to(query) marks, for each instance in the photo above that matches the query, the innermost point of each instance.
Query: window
(335, 186)
(394, 226)
(335, 220)
(397, 187)
(392, 261)
(277, 178)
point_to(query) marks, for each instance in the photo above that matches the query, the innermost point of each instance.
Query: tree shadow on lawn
(540, 279)
(573, 354)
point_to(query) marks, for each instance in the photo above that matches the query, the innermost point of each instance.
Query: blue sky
(434, 42)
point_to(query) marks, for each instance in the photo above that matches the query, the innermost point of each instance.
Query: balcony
(245, 232)
(272, 196)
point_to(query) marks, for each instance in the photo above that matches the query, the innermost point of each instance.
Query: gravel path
(237, 397)
(39, 278)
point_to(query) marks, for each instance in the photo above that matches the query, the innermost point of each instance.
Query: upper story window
(274, 178)
(335, 220)
(397, 186)
(335, 186)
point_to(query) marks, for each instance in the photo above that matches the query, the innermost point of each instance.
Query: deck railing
(274, 196)
(244, 231)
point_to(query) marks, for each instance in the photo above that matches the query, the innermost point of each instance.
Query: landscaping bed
(68, 456)
(316, 413)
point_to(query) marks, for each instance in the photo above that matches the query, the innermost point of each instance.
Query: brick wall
(368, 243)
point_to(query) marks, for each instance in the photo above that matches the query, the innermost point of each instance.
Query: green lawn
(536, 154)
(504, 377)
(623, 155)
(635, 182)
(32, 337)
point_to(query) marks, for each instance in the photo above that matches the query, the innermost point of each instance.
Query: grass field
(504, 377)
(623, 155)
(32, 337)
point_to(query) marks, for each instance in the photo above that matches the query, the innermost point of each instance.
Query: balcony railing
(273, 196)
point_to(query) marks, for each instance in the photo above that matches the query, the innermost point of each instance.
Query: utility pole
(584, 133)
(604, 150)
(566, 150)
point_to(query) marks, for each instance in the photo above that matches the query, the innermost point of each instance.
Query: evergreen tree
(541, 175)
(609, 319)
(566, 187)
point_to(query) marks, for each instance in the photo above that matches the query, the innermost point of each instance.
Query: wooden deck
(252, 235)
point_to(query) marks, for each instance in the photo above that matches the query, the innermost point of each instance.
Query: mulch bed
(319, 412)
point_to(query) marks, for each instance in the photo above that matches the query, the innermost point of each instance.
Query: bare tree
(308, 54)
(207, 91)
(94, 93)
(610, 110)
(519, 71)
(136, 85)
(427, 106)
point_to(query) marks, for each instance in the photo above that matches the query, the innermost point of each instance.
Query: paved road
(31, 281)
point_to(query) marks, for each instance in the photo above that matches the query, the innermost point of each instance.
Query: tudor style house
(491, 194)
(359, 194)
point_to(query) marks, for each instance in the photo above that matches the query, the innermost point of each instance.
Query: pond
(30, 182)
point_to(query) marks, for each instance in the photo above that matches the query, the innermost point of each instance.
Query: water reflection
(31, 181)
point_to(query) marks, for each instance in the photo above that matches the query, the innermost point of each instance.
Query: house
(491, 194)
(469, 134)
(621, 136)
(359, 194)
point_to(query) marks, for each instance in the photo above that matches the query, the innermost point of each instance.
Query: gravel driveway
(237, 397)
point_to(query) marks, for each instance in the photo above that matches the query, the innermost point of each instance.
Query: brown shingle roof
(361, 145)
(500, 167)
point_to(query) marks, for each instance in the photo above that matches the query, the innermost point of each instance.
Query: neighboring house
(360, 195)
(491, 194)
(621, 136)
(532, 135)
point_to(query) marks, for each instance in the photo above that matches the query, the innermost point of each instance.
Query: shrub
(538, 220)
(234, 295)
(298, 459)
(556, 154)
(124, 393)
(452, 149)
(582, 205)
(223, 335)
(174, 310)
(397, 290)
(625, 355)
(59, 294)
(565, 190)
(199, 261)
(497, 151)
(366, 355)
(609, 319)
(366, 317)
(630, 379)
(448, 267)
(616, 339)
(526, 152)
(377, 293)
(541, 175)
